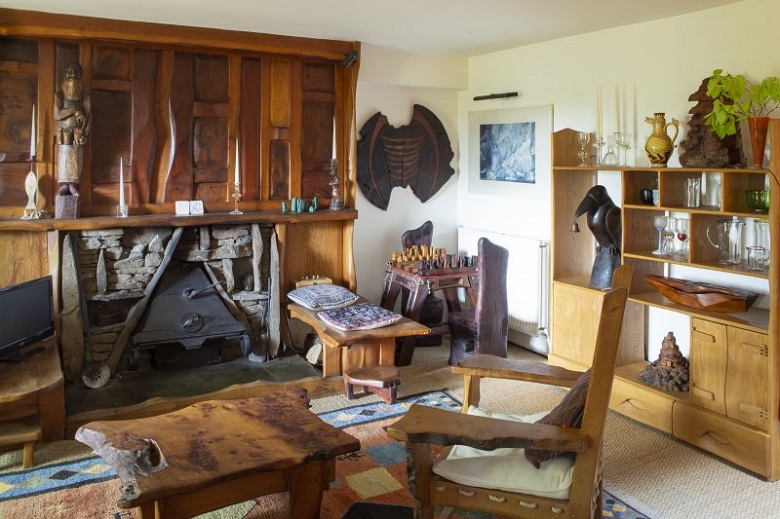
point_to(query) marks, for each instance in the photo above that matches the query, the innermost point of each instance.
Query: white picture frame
(510, 152)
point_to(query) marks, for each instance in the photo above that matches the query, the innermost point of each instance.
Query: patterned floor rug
(370, 484)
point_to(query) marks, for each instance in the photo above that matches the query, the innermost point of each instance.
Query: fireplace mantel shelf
(169, 220)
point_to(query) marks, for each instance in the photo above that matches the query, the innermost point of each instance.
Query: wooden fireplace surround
(172, 101)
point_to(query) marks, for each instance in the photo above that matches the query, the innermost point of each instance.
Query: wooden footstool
(381, 379)
(220, 452)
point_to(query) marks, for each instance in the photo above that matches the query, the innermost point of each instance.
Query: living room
(652, 67)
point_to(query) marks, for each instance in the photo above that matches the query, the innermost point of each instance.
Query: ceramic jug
(660, 145)
(728, 240)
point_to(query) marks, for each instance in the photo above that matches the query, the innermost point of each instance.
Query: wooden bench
(220, 452)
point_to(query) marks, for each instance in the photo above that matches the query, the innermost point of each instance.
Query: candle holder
(236, 198)
(598, 144)
(31, 211)
(121, 211)
(336, 202)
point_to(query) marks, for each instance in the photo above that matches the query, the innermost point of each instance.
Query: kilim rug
(370, 483)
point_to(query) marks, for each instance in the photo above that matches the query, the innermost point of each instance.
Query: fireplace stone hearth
(116, 274)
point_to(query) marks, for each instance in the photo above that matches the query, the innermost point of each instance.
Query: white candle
(32, 135)
(599, 123)
(617, 109)
(333, 154)
(238, 171)
(121, 182)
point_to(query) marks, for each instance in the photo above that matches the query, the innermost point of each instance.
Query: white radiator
(528, 283)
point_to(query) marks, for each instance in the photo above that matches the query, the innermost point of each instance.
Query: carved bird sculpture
(604, 221)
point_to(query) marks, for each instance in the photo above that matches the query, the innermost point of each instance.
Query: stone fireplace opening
(126, 293)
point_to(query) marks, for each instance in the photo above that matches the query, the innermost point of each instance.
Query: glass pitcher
(728, 240)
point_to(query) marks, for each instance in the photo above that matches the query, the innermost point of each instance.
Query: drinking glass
(623, 140)
(668, 243)
(583, 138)
(660, 222)
(682, 235)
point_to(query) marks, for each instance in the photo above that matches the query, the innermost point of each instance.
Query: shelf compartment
(756, 319)
(734, 186)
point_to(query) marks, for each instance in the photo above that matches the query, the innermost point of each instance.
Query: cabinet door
(747, 377)
(709, 354)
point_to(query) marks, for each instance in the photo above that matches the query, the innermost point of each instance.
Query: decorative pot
(660, 145)
(758, 127)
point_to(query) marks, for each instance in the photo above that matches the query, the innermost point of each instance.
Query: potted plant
(736, 99)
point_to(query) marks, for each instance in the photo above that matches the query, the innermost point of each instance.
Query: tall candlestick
(32, 135)
(121, 182)
(333, 153)
(599, 123)
(617, 109)
(238, 171)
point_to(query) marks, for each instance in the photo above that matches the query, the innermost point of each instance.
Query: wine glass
(623, 140)
(660, 222)
(682, 235)
(583, 138)
(668, 245)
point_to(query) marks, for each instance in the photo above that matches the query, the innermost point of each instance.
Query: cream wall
(655, 67)
(392, 82)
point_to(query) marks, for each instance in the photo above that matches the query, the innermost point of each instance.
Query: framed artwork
(509, 152)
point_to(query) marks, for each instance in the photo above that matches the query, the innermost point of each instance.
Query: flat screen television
(26, 317)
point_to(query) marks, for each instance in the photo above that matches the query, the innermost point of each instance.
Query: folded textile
(364, 316)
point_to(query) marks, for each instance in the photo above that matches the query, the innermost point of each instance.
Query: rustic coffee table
(220, 452)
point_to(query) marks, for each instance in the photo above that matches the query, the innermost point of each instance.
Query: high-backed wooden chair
(433, 306)
(485, 328)
(472, 474)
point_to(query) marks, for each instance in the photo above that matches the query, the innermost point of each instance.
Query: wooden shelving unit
(732, 407)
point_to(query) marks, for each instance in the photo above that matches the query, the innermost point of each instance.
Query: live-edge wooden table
(344, 350)
(219, 452)
(420, 283)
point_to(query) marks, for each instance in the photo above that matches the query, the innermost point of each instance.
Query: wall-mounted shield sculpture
(416, 155)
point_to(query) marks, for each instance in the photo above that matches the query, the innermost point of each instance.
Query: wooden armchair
(484, 329)
(500, 477)
(433, 307)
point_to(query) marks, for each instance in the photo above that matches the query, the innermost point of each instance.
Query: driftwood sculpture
(670, 371)
(417, 155)
(702, 148)
(704, 296)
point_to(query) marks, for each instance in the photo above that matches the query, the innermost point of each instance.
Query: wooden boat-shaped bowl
(703, 296)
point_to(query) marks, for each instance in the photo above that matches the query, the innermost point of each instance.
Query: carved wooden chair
(433, 306)
(502, 477)
(485, 328)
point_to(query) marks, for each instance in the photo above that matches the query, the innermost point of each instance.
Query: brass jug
(660, 145)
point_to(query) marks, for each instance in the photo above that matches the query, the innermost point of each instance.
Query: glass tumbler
(692, 192)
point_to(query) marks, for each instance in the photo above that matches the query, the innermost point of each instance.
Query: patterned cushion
(359, 317)
(322, 297)
(567, 413)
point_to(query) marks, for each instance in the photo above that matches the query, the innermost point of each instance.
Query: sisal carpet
(369, 484)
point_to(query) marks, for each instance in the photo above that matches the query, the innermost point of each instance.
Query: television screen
(26, 316)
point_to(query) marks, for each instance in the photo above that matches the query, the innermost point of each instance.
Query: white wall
(655, 67)
(391, 83)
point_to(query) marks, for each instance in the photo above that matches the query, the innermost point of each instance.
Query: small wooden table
(420, 283)
(344, 350)
(32, 399)
(219, 452)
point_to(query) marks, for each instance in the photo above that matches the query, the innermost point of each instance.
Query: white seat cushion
(507, 469)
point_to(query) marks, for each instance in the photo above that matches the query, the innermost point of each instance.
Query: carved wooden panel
(316, 148)
(280, 93)
(179, 182)
(145, 133)
(249, 128)
(280, 170)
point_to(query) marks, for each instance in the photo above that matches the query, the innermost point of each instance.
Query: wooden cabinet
(731, 408)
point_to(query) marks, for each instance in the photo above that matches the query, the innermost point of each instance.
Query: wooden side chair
(433, 306)
(490, 462)
(485, 328)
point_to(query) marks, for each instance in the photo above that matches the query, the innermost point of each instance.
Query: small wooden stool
(24, 431)
(382, 380)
